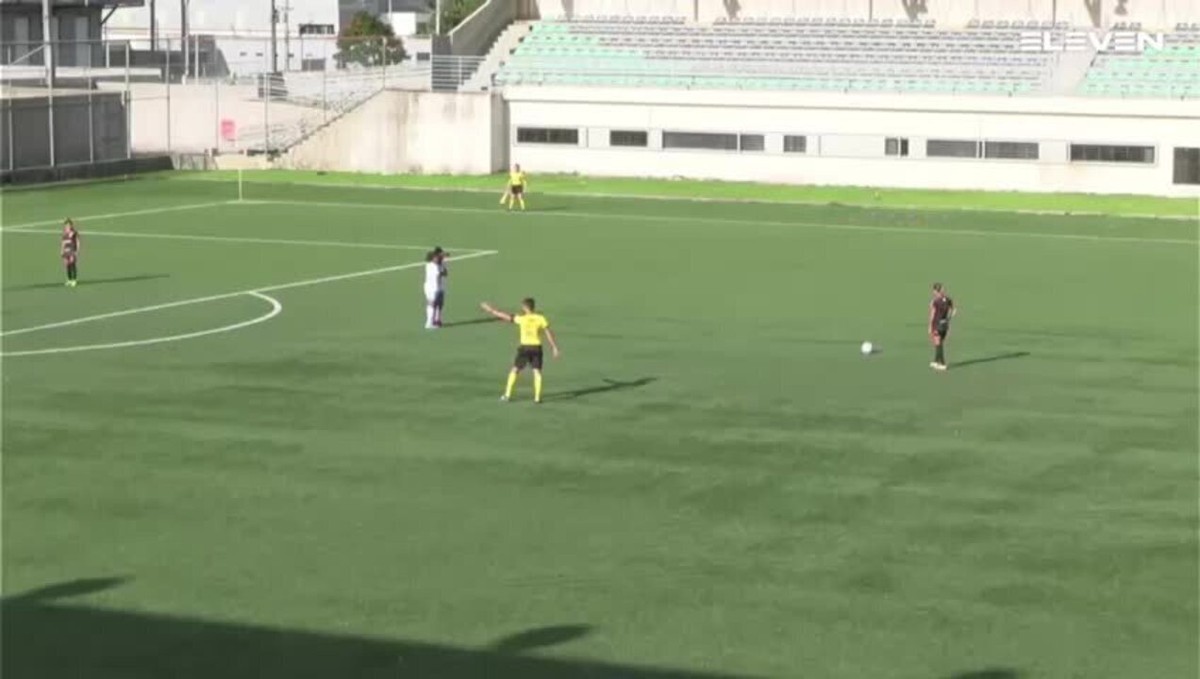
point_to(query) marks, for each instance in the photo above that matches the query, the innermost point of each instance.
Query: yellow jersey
(516, 179)
(531, 327)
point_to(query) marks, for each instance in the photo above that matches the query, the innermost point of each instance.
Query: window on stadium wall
(1103, 153)
(1187, 166)
(951, 148)
(633, 138)
(1014, 150)
(548, 135)
(795, 144)
(752, 142)
(710, 141)
(895, 146)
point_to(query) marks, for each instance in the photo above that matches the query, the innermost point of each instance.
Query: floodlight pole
(287, 38)
(274, 39)
(47, 44)
(183, 37)
(48, 57)
(153, 28)
(437, 17)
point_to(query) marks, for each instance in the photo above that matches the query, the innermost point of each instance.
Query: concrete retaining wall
(418, 132)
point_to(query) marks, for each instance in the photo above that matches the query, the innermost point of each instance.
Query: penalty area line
(260, 291)
(251, 240)
(118, 215)
(276, 308)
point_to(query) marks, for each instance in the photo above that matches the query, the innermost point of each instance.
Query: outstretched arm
(553, 343)
(506, 317)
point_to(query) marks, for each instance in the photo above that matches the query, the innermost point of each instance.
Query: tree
(368, 41)
(454, 11)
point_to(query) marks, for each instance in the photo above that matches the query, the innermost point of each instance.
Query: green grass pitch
(279, 474)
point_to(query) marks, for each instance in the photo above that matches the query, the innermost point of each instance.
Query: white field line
(750, 222)
(276, 307)
(239, 239)
(227, 295)
(117, 215)
(725, 199)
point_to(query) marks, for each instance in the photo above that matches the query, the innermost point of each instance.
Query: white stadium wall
(1101, 13)
(410, 132)
(845, 137)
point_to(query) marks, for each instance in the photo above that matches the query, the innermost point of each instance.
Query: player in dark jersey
(941, 310)
(69, 250)
(439, 302)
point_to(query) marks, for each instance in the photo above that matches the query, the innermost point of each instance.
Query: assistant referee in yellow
(532, 326)
(515, 191)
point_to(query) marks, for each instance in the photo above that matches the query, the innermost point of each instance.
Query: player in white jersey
(435, 287)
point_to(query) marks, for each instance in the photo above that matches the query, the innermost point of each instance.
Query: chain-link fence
(211, 95)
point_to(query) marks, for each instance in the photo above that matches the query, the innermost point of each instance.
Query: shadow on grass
(88, 282)
(541, 637)
(609, 385)
(990, 359)
(45, 639)
(471, 321)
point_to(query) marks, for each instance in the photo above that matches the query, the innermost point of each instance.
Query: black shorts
(941, 329)
(439, 299)
(516, 189)
(528, 356)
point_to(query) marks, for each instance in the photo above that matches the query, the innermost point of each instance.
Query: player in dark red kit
(439, 302)
(69, 250)
(941, 310)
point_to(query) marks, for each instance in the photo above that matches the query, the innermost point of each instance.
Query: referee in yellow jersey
(532, 327)
(515, 192)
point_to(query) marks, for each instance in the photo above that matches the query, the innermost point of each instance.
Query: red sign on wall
(228, 129)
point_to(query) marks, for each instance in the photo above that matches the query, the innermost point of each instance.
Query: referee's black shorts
(516, 189)
(528, 356)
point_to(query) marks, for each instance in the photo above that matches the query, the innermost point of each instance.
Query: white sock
(428, 314)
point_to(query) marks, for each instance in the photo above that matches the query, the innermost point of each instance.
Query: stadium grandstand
(848, 55)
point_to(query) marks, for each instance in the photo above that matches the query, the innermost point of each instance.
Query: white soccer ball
(867, 348)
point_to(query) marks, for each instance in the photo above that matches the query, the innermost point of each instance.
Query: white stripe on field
(117, 215)
(733, 200)
(240, 239)
(751, 222)
(276, 307)
(227, 295)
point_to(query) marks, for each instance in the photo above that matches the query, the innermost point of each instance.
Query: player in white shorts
(435, 287)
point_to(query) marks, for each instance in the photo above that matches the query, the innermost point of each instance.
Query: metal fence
(112, 100)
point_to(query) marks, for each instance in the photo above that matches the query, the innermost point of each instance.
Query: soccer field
(233, 451)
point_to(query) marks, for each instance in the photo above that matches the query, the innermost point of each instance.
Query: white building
(305, 32)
